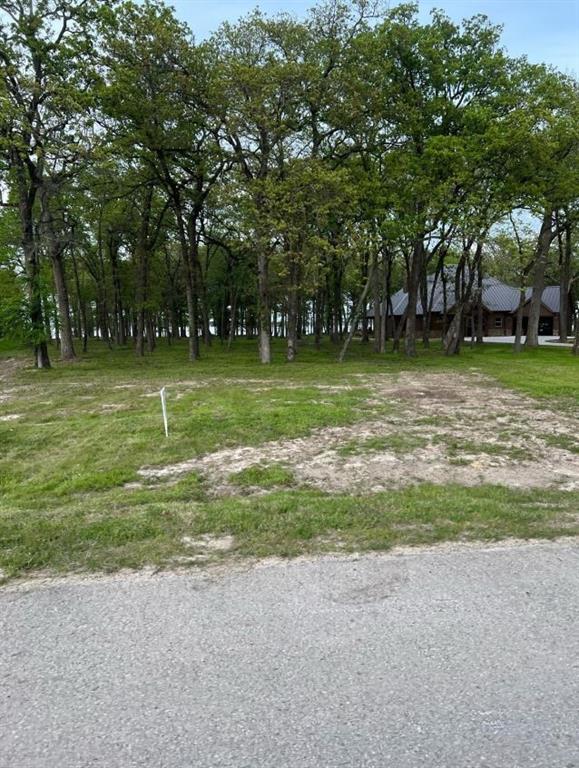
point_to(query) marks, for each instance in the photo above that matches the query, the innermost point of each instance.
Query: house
(499, 300)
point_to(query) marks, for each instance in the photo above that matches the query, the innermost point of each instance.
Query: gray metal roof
(551, 297)
(497, 297)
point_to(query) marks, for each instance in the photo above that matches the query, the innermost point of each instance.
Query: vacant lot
(428, 427)
(280, 460)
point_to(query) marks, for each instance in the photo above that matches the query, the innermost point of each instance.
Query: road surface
(438, 658)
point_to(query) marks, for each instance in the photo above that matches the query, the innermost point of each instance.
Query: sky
(544, 30)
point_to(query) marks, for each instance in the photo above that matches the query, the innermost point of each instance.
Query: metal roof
(551, 297)
(497, 297)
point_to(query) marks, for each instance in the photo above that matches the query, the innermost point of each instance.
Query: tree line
(278, 179)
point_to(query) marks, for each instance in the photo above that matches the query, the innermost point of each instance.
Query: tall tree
(261, 88)
(159, 91)
(46, 55)
(549, 173)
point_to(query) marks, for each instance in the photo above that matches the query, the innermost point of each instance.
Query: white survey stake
(164, 407)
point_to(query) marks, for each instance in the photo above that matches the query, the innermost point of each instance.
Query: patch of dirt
(9, 366)
(210, 543)
(11, 417)
(495, 436)
(5, 395)
(113, 407)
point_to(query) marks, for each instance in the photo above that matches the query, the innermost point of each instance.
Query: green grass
(399, 443)
(84, 429)
(456, 449)
(263, 476)
(565, 442)
(285, 523)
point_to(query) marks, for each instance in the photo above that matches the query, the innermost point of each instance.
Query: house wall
(546, 317)
(494, 323)
(505, 323)
(545, 312)
(500, 324)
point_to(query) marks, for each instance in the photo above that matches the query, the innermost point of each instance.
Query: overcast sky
(544, 30)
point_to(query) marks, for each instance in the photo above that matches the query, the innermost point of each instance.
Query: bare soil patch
(469, 431)
(9, 366)
(210, 543)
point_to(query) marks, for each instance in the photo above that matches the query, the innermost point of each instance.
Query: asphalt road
(437, 658)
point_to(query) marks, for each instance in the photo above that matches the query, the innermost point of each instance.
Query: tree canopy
(282, 178)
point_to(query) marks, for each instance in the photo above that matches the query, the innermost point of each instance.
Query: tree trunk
(519, 323)
(142, 253)
(55, 250)
(387, 303)
(443, 279)
(189, 256)
(151, 339)
(546, 237)
(102, 318)
(292, 309)
(479, 307)
(336, 302)
(168, 326)
(378, 344)
(564, 282)
(232, 320)
(80, 303)
(355, 317)
(120, 338)
(26, 199)
(66, 343)
(462, 296)
(318, 317)
(399, 330)
(414, 274)
(41, 358)
(54, 306)
(201, 291)
(454, 334)
(264, 314)
(191, 293)
(426, 308)
(364, 313)
(102, 298)
(140, 299)
(206, 323)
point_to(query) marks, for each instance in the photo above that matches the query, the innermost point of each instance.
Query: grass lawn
(72, 441)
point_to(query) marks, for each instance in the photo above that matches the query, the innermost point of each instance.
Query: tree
(279, 179)
(46, 55)
(159, 91)
(549, 173)
(261, 90)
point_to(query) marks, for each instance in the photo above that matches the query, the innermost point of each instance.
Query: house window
(498, 322)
